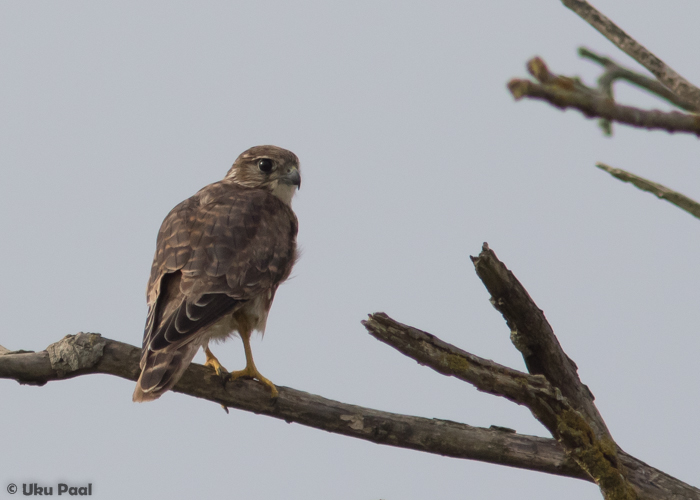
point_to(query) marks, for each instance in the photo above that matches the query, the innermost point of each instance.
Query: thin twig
(685, 90)
(614, 71)
(660, 191)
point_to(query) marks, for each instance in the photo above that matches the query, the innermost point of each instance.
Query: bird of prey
(220, 256)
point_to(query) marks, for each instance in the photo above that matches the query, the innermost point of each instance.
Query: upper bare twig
(685, 90)
(681, 201)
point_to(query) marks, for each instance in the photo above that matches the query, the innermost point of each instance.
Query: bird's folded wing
(218, 249)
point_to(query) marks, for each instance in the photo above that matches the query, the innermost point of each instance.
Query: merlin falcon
(220, 256)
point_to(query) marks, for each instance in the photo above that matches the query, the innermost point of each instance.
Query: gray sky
(413, 153)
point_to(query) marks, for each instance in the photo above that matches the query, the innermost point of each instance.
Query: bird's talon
(254, 374)
(212, 362)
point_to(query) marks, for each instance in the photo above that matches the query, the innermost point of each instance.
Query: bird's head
(268, 167)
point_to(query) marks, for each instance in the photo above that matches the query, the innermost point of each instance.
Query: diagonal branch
(660, 191)
(85, 354)
(532, 391)
(564, 92)
(685, 90)
(533, 336)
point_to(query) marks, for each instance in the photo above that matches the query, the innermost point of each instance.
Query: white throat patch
(284, 192)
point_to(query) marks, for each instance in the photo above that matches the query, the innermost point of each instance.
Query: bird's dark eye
(265, 165)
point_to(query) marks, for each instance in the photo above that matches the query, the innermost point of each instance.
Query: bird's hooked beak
(293, 178)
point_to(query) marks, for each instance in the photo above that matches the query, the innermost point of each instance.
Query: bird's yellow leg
(250, 370)
(214, 363)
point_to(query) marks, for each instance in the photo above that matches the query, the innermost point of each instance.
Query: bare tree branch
(564, 92)
(685, 90)
(681, 201)
(85, 354)
(579, 454)
(655, 484)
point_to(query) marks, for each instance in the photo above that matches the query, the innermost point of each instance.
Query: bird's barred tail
(161, 371)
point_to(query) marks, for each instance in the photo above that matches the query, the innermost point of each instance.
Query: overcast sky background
(413, 153)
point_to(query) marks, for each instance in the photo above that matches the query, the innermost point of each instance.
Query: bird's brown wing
(216, 250)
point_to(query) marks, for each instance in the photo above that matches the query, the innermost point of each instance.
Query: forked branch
(552, 390)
